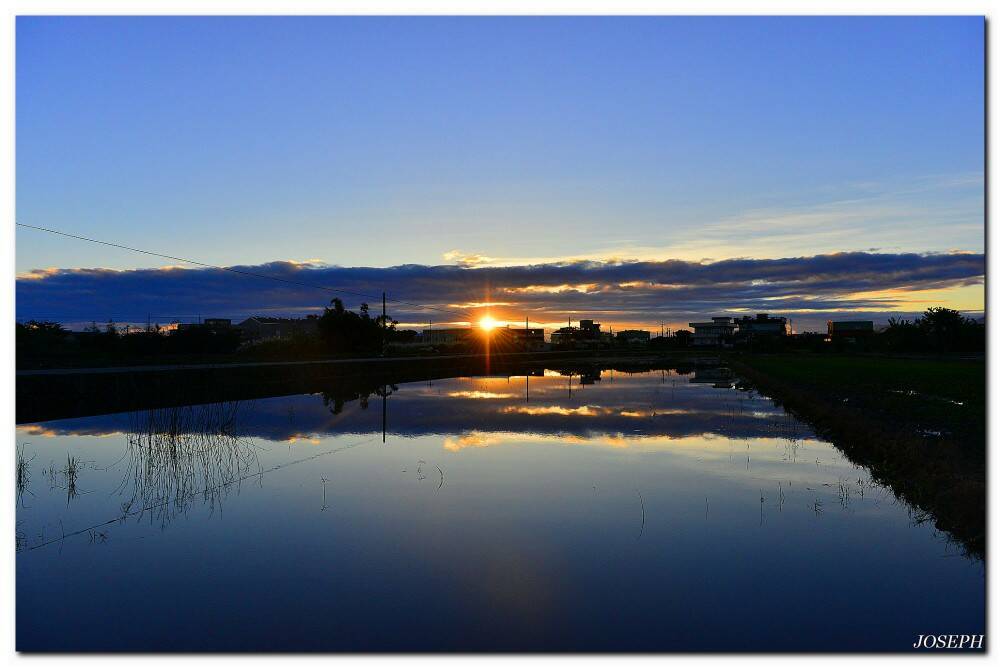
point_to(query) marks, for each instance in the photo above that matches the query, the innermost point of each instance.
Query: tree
(345, 331)
(942, 328)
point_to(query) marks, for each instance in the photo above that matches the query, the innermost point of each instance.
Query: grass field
(919, 424)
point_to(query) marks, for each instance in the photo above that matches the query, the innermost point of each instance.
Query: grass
(918, 424)
(23, 473)
(71, 472)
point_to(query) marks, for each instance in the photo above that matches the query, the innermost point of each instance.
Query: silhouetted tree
(345, 331)
(35, 338)
(940, 330)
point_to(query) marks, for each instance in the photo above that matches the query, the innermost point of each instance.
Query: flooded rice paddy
(653, 511)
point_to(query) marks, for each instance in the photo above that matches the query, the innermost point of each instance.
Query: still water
(599, 511)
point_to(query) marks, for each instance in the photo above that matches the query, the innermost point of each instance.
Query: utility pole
(383, 331)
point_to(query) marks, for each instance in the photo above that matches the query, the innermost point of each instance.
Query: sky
(414, 154)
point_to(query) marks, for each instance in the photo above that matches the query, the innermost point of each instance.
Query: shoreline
(943, 479)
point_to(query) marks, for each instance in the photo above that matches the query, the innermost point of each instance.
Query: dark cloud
(630, 291)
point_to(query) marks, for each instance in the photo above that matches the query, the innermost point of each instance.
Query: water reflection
(557, 402)
(504, 512)
(176, 455)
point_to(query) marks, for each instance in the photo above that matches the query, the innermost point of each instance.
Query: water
(645, 512)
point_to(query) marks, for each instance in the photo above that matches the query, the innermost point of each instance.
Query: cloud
(617, 291)
(467, 259)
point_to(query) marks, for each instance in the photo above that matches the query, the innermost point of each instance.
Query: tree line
(340, 331)
(343, 331)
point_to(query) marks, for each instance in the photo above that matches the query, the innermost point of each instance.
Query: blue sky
(504, 141)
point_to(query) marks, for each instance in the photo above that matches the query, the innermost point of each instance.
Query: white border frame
(435, 7)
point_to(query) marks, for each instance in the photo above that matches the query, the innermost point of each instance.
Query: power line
(241, 272)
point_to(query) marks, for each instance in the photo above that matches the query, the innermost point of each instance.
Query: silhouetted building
(446, 336)
(588, 334)
(761, 329)
(762, 325)
(530, 340)
(274, 328)
(633, 337)
(850, 330)
(717, 333)
(210, 323)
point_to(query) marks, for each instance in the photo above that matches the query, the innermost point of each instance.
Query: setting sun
(487, 323)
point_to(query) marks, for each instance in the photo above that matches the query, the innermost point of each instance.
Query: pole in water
(384, 323)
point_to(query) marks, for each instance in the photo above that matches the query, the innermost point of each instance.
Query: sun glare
(487, 323)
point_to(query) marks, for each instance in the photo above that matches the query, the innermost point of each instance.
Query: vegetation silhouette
(175, 456)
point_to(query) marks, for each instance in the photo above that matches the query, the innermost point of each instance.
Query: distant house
(210, 323)
(716, 333)
(850, 330)
(587, 335)
(445, 336)
(255, 329)
(633, 337)
(529, 340)
(761, 327)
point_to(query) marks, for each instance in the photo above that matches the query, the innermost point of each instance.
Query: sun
(487, 323)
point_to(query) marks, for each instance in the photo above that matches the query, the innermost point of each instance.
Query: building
(633, 337)
(255, 329)
(210, 323)
(587, 335)
(529, 340)
(850, 330)
(762, 325)
(717, 333)
(445, 336)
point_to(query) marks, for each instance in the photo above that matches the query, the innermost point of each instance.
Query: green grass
(916, 395)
